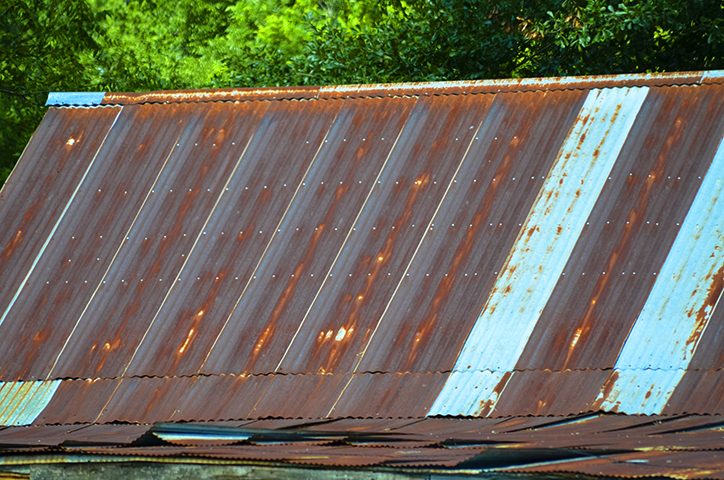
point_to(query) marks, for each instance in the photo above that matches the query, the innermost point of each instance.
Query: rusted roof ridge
(393, 90)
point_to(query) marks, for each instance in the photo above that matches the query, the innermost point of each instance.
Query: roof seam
(299, 374)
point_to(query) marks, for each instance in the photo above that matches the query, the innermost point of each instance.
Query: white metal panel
(74, 98)
(456, 398)
(681, 302)
(22, 402)
(545, 242)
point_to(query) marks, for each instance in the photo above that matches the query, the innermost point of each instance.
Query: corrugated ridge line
(60, 218)
(423, 88)
(544, 244)
(681, 303)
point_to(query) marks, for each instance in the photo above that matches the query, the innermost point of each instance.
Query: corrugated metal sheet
(403, 89)
(22, 402)
(621, 445)
(501, 248)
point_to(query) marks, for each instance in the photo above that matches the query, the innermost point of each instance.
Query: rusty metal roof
(595, 444)
(486, 249)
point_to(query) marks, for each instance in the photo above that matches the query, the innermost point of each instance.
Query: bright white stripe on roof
(74, 98)
(466, 393)
(546, 239)
(22, 402)
(678, 309)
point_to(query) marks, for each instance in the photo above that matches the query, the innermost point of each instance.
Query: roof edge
(74, 98)
(462, 87)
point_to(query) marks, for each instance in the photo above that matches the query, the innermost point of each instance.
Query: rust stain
(486, 407)
(607, 388)
(703, 314)
(12, 245)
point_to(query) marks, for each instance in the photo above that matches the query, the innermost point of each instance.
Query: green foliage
(137, 45)
(44, 46)
(608, 37)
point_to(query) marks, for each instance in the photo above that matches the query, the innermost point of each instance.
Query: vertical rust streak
(414, 254)
(273, 236)
(198, 237)
(110, 264)
(341, 248)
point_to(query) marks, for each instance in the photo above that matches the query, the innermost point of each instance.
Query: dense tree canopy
(137, 45)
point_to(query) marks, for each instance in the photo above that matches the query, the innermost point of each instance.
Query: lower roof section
(331, 396)
(687, 446)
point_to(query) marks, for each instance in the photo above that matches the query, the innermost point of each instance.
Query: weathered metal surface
(153, 253)
(226, 257)
(22, 402)
(437, 305)
(520, 85)
(545, 392)
(304, 259)
(423, 161)
(74, 98)
(385, 395)
(687, 290)
(58, 301)
(34, 201)
(630, 232)
(223, 95)
(229, 243)
(387, 90)
(78, 401)
(73, 436)
(698, 391)
(600, 444)
(544, 243)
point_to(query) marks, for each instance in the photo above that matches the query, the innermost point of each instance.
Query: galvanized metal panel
(86, 243)
(374, 395)
(549, 234)
(688, 288)
(74, 98)
(231, 249)
(77, 401)
(630, 231)
(474, 228)
(300, 396)
(319, 220)
(543, 392)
